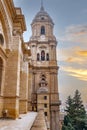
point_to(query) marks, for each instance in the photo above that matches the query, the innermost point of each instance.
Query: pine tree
(69, 106)
(76, 118)
(67, 124)
(80, 117)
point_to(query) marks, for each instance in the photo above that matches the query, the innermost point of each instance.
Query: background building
(28, 83)
(44, 88)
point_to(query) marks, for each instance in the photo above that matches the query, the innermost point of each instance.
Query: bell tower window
(38, 56)
(42, 55)
(1, 39)
(42, 30)
(47, 57)
(1, 68)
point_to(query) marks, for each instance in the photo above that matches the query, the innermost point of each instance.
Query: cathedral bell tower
(44, 86)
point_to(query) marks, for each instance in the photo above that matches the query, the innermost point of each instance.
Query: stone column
(33, 84)
(50, 54)
(54, 118)
(23, 105)
(2, 81)
(57, 120)
(34, 54)
(52, 121)
(56, 88)
(34, 98)
(30, 88)
(52, 87)
(12, 79)
(54, 53)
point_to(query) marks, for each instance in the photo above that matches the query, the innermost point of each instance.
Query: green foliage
(76, 118)
(67, 124)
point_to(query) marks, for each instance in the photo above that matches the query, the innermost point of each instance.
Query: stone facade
(28, 77)
(44, 89)
(13, 67)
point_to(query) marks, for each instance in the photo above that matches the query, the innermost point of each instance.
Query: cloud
(75, 33)
(72, 55)
(64, 53)
(82, 53)
(77, 29)
(79, 57)
(61, 54)
(74, 44)
(75, 59)
(80, 74)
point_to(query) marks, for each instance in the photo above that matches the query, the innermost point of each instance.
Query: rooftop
(42, 16)
(25, 122)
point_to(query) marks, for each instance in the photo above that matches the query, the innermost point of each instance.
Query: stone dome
(42, 16)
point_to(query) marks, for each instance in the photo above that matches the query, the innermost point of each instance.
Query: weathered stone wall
(43, 103)
(12, 83)
(11, 52)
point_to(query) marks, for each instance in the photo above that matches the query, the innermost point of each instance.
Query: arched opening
(43, 77)
(38, 56)
(1, 69)
(1, 39)
(42, 55)
(42, 30)
(4, 28)
(47, 57)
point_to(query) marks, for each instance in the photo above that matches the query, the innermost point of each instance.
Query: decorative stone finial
(42, 8)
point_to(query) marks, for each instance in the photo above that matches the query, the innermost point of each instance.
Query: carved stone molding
(16, 32)
(5, 22)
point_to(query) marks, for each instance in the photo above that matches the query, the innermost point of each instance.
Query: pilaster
(23, 105)
(12, 79)
(54, 121)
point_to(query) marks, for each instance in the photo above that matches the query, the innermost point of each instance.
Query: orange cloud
(82, 53)
(81, 74)
(75, 59)
(72, 55)
(62, 54)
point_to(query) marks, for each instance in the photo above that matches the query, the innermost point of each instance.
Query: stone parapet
(40, 122)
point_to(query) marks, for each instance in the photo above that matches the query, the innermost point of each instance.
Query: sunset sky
(70, 18)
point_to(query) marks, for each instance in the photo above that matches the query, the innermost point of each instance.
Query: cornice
(45, 67)
(11, 97)
(17, 19)
(20, 19)
(10, 6)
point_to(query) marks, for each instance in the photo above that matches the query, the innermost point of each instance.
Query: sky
(70, 18)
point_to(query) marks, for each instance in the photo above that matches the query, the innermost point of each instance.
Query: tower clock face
(42, 37)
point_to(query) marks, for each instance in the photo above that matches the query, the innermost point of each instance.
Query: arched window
(1, 39)
(42, 30)
(38, 56)
(43, 78)
(1, 68)
(47, 56)
(42, 55)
